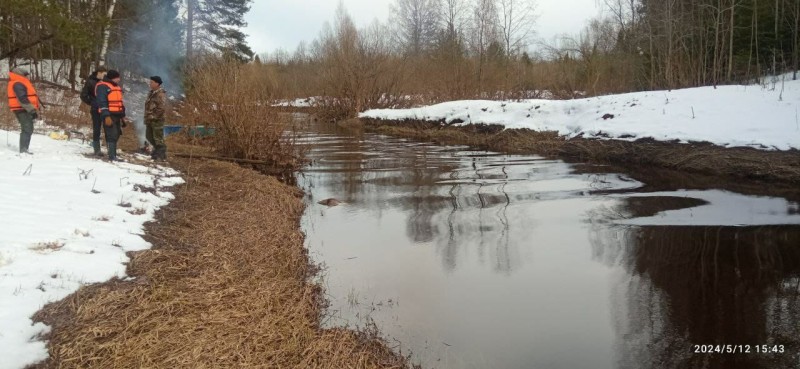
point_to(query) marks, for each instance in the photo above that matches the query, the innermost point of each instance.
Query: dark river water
(474, 259)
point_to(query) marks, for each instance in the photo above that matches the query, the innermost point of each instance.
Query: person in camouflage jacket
(154, 117)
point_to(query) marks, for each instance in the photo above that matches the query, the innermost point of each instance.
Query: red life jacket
(115, 105)
(13, 101)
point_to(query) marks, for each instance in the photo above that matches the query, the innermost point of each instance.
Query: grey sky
(274, 24)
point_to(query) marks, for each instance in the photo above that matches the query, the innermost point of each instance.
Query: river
(475, 259)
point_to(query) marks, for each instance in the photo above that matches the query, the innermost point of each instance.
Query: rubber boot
(112, 151)
(96, 147)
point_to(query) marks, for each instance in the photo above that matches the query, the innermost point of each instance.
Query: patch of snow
(761, 116)
(297, 103)
(67, 221)
(53, 70)
(723, 208)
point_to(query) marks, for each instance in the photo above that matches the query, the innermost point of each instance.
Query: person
(89, 98)
(154, 117)
(24, 102)
(111, 108)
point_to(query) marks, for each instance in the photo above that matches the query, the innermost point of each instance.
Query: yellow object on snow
(58, 136)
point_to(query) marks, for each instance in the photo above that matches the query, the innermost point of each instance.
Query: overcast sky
(274, 24)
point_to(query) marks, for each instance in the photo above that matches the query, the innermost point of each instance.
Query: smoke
(150, 43)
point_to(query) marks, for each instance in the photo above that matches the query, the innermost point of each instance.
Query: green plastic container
(197, 131)
(201, 131)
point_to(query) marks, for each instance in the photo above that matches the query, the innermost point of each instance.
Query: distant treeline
(435, 50)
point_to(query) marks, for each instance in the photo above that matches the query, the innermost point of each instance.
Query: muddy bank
(700, 158)
(227, 284)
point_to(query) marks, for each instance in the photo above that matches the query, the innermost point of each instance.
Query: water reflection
(475, 259)
(692, 285)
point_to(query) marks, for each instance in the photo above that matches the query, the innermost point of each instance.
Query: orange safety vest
(13, 101)
(115, 104)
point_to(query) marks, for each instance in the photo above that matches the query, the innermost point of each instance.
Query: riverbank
(742, 132)
(700, 158)
(227, 283)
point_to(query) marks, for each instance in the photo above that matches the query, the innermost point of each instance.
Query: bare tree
(483, 33)
(452, 16)
(418, 23)
(516, 19)
(625, 14)
(796, 46)
(190, 7)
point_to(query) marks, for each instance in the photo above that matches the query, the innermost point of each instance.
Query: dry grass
(227, 285)
(236, 100)
(701, 158)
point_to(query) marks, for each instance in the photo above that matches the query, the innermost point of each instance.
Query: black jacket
(87, 94)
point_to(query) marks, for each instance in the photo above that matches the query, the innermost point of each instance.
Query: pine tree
(215, 25)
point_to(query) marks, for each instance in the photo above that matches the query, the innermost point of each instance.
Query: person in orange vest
(24, 102)
(111, 109)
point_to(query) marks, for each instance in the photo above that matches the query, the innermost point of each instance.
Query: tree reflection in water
(685, 286)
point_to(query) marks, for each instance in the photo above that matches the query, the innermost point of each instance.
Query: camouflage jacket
(155, 108)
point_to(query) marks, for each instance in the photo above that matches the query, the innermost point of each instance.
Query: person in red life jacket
(89, 98)
(24, 102)
(111, 109)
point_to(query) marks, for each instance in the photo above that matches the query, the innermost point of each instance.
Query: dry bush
(357, 70)
(236, 100)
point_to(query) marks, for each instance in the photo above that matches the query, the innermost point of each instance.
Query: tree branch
(14, 51)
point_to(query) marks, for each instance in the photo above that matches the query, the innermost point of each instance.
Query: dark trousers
(114, 131)
(97, 124)
(112, 135)
(25, 120)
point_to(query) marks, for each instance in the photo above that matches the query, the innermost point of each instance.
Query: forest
(428, 51)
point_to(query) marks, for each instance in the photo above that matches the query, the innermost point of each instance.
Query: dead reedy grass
(227, 285)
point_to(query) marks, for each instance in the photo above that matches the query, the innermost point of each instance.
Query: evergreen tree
(215, 25)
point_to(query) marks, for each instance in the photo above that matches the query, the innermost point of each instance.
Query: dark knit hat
(157, 79)
(112, 74)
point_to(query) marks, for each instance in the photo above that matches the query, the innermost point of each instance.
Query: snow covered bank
(764, 117)
(65, 221)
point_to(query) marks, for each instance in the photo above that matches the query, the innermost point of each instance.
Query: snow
(53, 70)
(64, 222)
(764, 116)
(722, 208)
(297, 103)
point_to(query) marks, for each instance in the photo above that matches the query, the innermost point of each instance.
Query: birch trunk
(107, 33)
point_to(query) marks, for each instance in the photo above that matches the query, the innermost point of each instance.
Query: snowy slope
(65, 221)
(761, 116)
